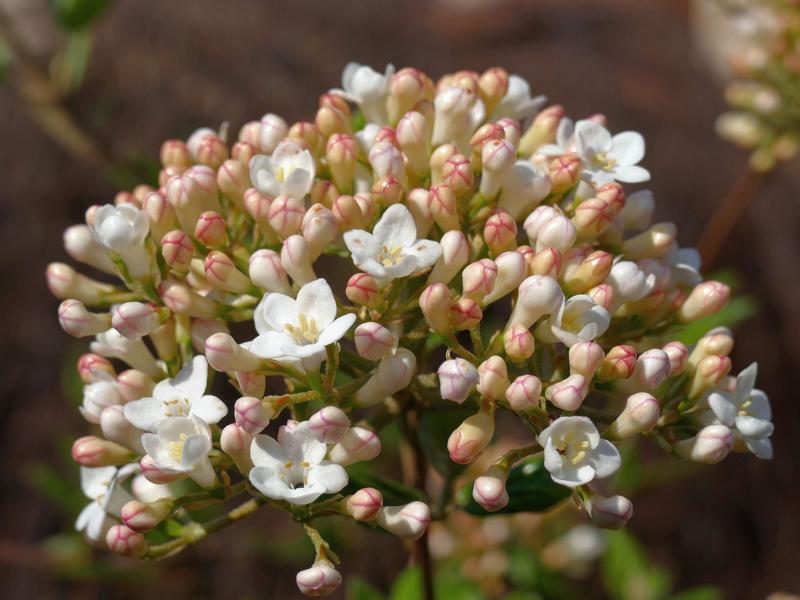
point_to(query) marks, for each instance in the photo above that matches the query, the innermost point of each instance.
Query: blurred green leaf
(358, 589)
(69, 65)
(627, 572)
(451, 584)
(408, 585)
(530, 489)
(699, 593)
(359, 121)
(5, 62)
(433, 431)
(78, 14)
(527, 573)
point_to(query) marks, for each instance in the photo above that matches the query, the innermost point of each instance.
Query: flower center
(175, 449)
(280, 175)
(389, 257)
(177, 407)
(305, 332)
(744, 407)
(604, 161)
(574, 452)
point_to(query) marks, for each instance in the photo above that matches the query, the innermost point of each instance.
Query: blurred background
(91, 88)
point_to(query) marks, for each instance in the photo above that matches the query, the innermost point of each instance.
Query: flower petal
(606, 459)
(427, 252)
(336, 330)
(761, 448)
(262, 175)
(192, 379)
(304, 495)
(269, 344)
(330, 476)
(745, 382)
(361, 244)
(627, 148)
(315, 301)
(631, 174)
(396, 228)
(144, 413)
(722, 407)
(591, 139)
(754, 428)
(195, 448)
(95, 481)
(266, 452)
(279, 310)
(297, 184)
(209, 408)
(267, 481)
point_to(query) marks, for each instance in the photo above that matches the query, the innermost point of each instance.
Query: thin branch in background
(728, 214)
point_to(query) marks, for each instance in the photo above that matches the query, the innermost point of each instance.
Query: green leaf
(450, 583)
(69, 65)
(408, 585)
(627, 572)
(699, 593)
(530, 489)
(358, 589)
(77, 14)
(433, 431)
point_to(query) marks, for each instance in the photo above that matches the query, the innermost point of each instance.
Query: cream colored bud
(511, 271)
(518, 343)
(92, 451)
(408, 522)
(286, 216)
(365, 504)
(358, 444)
(296, 260)
(211, 230)
(709, 446)
(500, 233)
(709, 372)
(678, 355)
(457, 174)
(77, 321)
(267, 272)
(524, 392)
(655, 242)
(706, 299)
(65, 283)
(341, 153)
(329, 424)
(585, 358)
(134, 320)
(471, 438)
(613, 512)
(178, 250)
(181, 300)
(435, 304)
(363, 289)
(443, 207)
(417, 203)
(478, 279)
(497, 157)
(394, 373)
(542, 130)
(457, 378)
(538, 296)
(493, 378)
(82, 246)
(640, 415)
(455, 254)
(224, 354)
(374, 341)
(438, 159)
(489, 490)
(252, 414)
(235, 442)
(568, 394)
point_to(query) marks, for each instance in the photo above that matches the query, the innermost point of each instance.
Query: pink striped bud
(341, 153)
(542, 130)
(603, 295)
(478, 278)
(387, 191)
(134, 320)
(709, 446)
(512, 130)
(678, 355)
(471, 438)
(363, 289)
(538, 296)
(457, 377)
(538, 218)
(457, 174)
(134, 384)
(357, 444)
(417, 203)
(348, 213)
(235, 442)
(365, 504)
(81, 245)
(93, 367)
(174, 153)
(489, 490)
(407, 87)
(329, 424)
(413, 137)
(511, 271)
(652, 368)
(286, 215)
(717, 342)
(251, 414)
(497, 157)
(308, 136)
(192, 193)
(210, 150)
(524, 392)
(92, 451)
(619, 363)
(455, 254)
(202, 329)
(77, 321)
(435, 304)
(233, 180)
(177, 250)
(585, 358)
(493, 375)
(250, 133)
(590, 271)
(251, 384)
(257, 206)
(465, 314)
(558, 232)
(65, 283)
(374, 341)
(320, 229)
(709, 372)
(592, 217)
(386, 160)
(438, 159)
(211, 230)
(486, 133)
(706, 299)
(154, 473)
(564, 172)
(296, 260)
(116, 428)
(655, 242)
(224, 354)
(267, 272)
(273, 130)
(518, 343)
(408, 522)
(500, 233)
(243, 152)
(331, 121)
(568, 394)
(394, 373)
(123, 540)
(613, 512)
(443, 207)
(321, 579)
(640, 415)
(142, 517)
(222, 274)
(492, 86)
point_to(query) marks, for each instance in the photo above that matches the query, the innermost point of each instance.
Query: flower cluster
(494, 263)
(762, 54)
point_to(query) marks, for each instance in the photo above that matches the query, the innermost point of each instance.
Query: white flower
(574, 452)
(293, 467)
(98, 396)
(392, 250)
(112, 344)
(367, 88)
(181, 396)
(288, 172)
(517, 103)
(102, 487)
(123, 229)
(580, 319)
(746, 411)
(299, 329)
(366, 137)
(565, 140)
(181, 445)
(608, 158)
(685, 263)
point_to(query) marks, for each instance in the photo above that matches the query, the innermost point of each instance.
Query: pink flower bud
(638, 210)
(116, 428)
(493, 375)
(500, 233)
(589, 272)
(709, 446)
(154, 473)
(161, 214)
(592, 217)
(457, 174)
(92, 451)
(348, 213)
(211, 230)
(478, 278)
(222, 273)
(655, 242)
(471, 438)
(77, 321)
(224, 354)
(394, 373)
(175, 153)
(585, 358)
(613, 512)
(331, 121)
(257, 206)
(210, 150)
(202, 329)
(709, 372)
(546, 262)
(538, 218)
(457, 377)
(177, 250)
(512, 130)
(706, 299)
(243, 152)
(192, 193)
(320, 229)
(489, 490)
(408, 522)
(329, 424)
(524, 392)
(603, 295)
(363, 289)
(443, 207)
(235, 442)
(320, 580)
(465, 314)
(542, 130)
(652, 367)
(64, 283)
(251, 414)
(417, 203)
(142, 517)
(273, 130)
(93, 367)
(374, 341)
(640, 415)
(250, 133)
(564, 172)
(455, 253)
(233, 180)
(511, 271)
(497, 157)
(296, 260)
(341, 153)
(267, 272)
(435, 304)
(365, 504)
(123, 540)
(493, 85)
(387, 191)
(133, 320)
(81, 245)
(678, 355)
(286, 215)
(558, 232)
(386, 160)
(484, 134)
(619, 363)
(518, 343)
(357, 444)
(182, 300)
(538, 296)
(568, 394)
(413, 137)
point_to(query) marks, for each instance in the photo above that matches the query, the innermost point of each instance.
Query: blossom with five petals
(606, 158)
(580, 319)
(517, 103)
(101, 486)
(180, 446)
(368, 89)
(122, 229)
(288, 172)
(574, 452)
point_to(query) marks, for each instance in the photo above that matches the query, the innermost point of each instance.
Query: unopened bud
(320, 229)
(592, 217)
(374, 341)
(93, 367)
(717, 342)
(568, 394)
(123, 540)
(478, 279)
(81, 245)
(435, 304)
(457, 174)
(455, 254)
(267, 272)
(500, 233)
(224, 354)
(251, 414)
(273, 130)
(655, 242)
(365, 504)
(709, 446)
(394, 373)
(417, 203)
(192, 193)
(182, 300)
(492, 86)
(638, 210)
(590, 272)
(489, 490)
(177, 249)
(709, 372)
(538, 296)
(542, 130)
(471, 438)
(497, 157)
(640, 415)
(408, 522)
(363, 289)
(92, 451)
(512, 269)
(133, 320)
(457, 378)
(77, 321)
(518, 343)
(524, 392)
(443, 207)
(235, 442)
(286, 215)
(357, 444)
(619, 363)
(564, 172)
(211, 230)
(585, 358)
(222, 273)
(233, 180)
(174, 153)
(613, 512)
(341, 153)
(296, 260)
(439, 157)
(493, 375)
(465, 313)
(329, 424)
(142, 517)
(64, 283)
(706, 299)
(652, 368)
(154, 473)
(678, 355)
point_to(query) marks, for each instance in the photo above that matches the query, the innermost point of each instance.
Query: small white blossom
(574, 452)
(517, 103)
(102, 487)
(608, 158)
(293, 467)
(288, 172)
(392, 250)
(122, 229)
(181, 445)
(98, 396)
(580, 319)
(565, 140)
(368, 89)
(181, 396)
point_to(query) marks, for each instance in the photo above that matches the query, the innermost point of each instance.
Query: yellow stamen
(306, 331)
(390, 256)
(175, 449)
(177, 407)
(605, 162)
